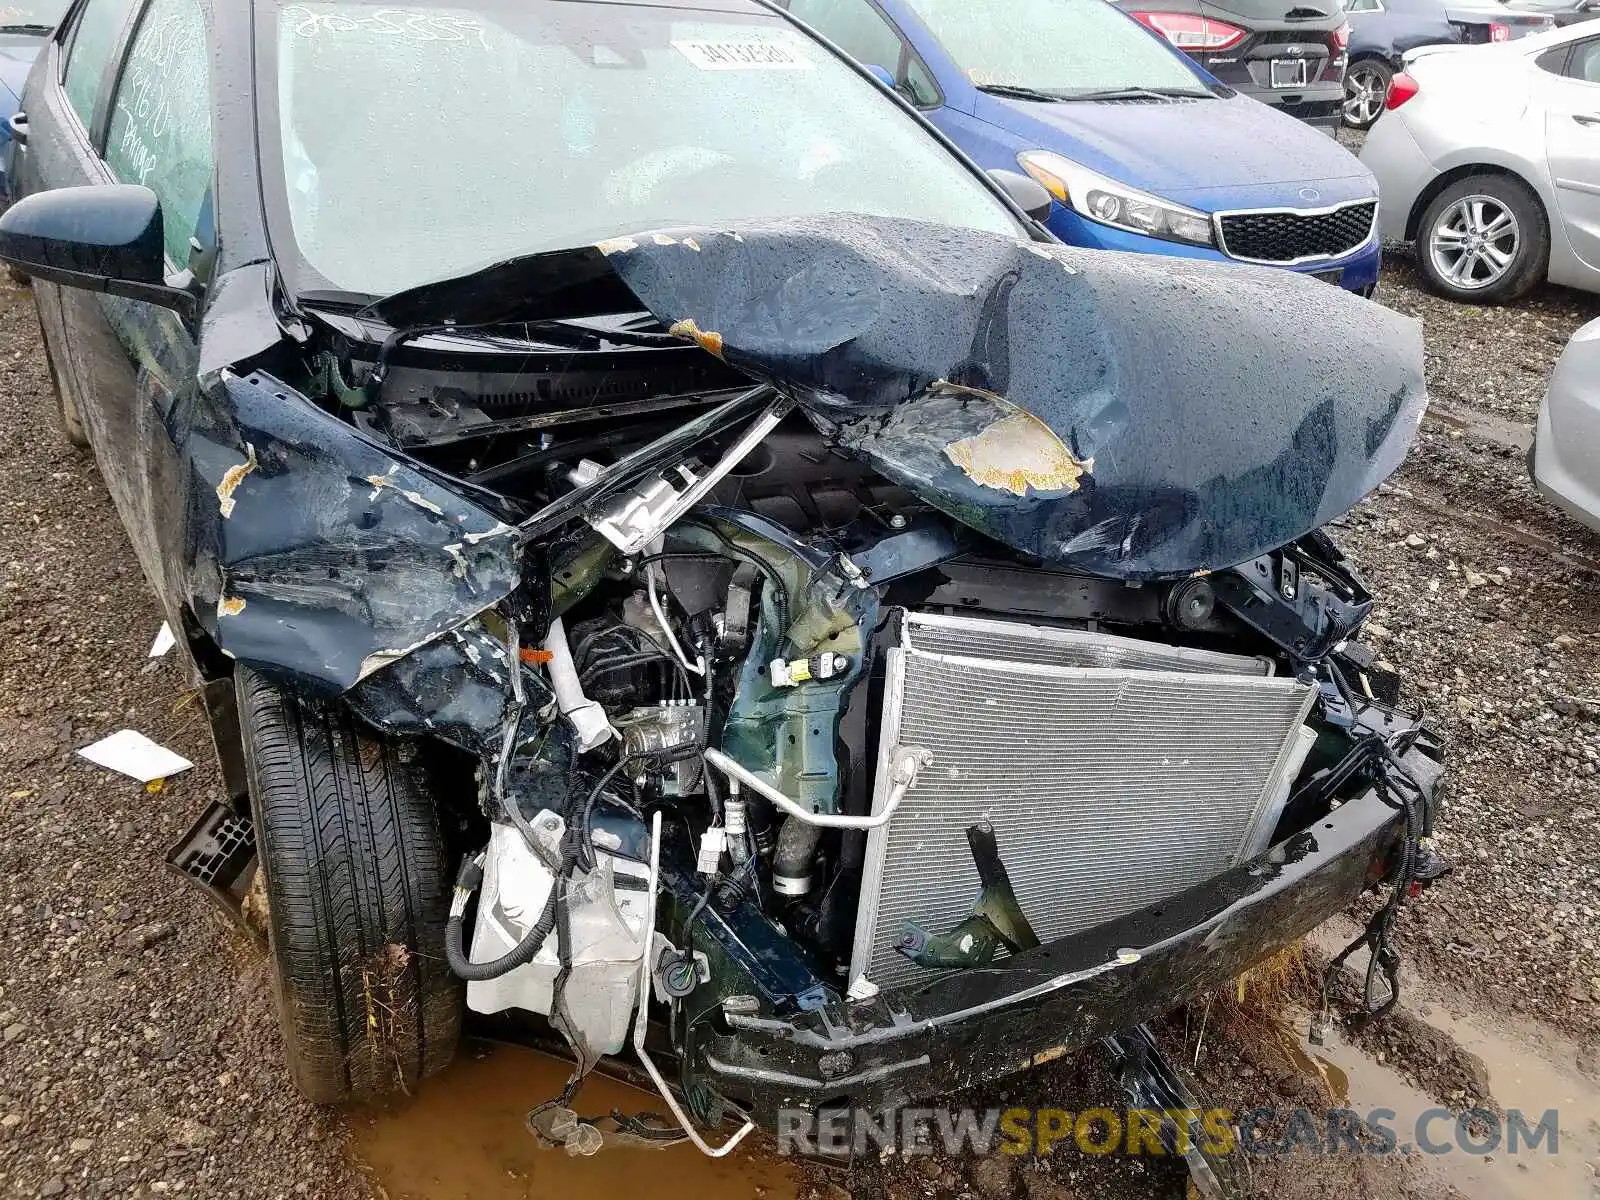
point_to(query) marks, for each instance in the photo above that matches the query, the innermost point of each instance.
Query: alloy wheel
(1364, 91)
(1474, 242)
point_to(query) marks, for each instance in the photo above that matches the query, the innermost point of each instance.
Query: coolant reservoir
(607, 916)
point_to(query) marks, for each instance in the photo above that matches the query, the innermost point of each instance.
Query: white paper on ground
(131, 753)
(164, 641)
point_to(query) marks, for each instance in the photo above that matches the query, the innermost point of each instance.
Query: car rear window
(467, 135)
(93, 40)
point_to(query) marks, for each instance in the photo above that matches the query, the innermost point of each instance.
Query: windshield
(1055, 46)
(420, 142)
(31, 14)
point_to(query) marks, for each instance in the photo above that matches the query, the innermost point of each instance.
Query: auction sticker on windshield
(744, 55)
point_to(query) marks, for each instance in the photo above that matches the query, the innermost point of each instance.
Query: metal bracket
(1152, 1081)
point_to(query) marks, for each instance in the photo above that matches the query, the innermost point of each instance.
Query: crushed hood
(1133, 416)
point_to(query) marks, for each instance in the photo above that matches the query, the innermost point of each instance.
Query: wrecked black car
(736, 588)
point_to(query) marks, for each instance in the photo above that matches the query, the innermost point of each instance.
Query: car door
(64, 105)
(1572, 143)
(149, 124)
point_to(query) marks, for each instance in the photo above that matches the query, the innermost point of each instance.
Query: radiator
(1116, 773)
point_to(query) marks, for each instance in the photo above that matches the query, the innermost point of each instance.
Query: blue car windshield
(1058, 47)
(32, 16)
(461, 136)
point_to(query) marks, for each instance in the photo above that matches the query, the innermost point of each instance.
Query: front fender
(315, 554)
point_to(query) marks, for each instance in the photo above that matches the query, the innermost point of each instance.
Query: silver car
(1488, 158)
(1566, 445)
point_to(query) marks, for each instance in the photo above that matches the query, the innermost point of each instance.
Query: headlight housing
(1092, 195)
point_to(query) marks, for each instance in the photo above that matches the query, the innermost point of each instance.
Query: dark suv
(1286, 53)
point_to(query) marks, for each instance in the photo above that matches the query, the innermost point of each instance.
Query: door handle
(1586, 118)
(18, 122)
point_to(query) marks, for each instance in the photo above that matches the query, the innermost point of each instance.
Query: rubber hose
(797, 846)
(518, 955)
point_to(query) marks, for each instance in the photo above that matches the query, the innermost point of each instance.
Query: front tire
(1366, 84)
(358, 890)
(1484, 240)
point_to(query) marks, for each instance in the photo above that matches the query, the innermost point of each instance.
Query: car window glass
(1585, 64)
(1361, 6)
(160, 132)
(863, 33)
(92, 43)
(31, 16)
(571, 123)
(1553, 60)
(1054, 45)
(856, 27)
(919, 86)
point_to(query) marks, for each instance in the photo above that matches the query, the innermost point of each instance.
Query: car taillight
(1187, 31)
(1341, 37)
(1499, 31)
(1401, 88)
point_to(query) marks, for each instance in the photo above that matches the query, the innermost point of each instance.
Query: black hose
(585, 845)
(468, 879)
(618, 662)
(797, 847)
(580, 652)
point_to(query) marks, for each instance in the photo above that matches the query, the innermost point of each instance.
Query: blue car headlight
(1092, 195)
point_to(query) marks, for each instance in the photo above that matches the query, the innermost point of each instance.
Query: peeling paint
(617, 245)
(1046, 1056)
(662, 239)
(379, 659)
(231, 480)
(458, 560)
(500, 530)
(380, 482)
(691, 243)
(1018, 452)
(230, 606)
(708, 340)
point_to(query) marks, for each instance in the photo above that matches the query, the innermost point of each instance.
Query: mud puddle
(464, 1137)
(1531, 1071)
(1363, 1084)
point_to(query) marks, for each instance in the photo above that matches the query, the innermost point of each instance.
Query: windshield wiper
(28, 27)
(1137, 93)
(1014, 91)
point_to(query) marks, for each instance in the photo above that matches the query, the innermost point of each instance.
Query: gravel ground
(1495, 629)
(140, 1052)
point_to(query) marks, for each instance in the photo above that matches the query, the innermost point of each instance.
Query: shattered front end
(956, 675)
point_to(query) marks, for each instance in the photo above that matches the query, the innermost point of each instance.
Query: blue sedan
(1140, 147)
(24, 26)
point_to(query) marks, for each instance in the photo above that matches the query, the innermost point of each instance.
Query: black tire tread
(358, 891)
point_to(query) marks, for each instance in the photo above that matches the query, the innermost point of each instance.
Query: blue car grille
(1279, 236)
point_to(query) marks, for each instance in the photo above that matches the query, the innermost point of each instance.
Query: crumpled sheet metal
(317, 554)
(1128, 415)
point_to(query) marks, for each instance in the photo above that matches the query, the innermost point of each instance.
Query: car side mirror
(103, 238)
(881, 74)
(1026, 193)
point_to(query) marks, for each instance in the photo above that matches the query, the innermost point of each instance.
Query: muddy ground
(138, 1046)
